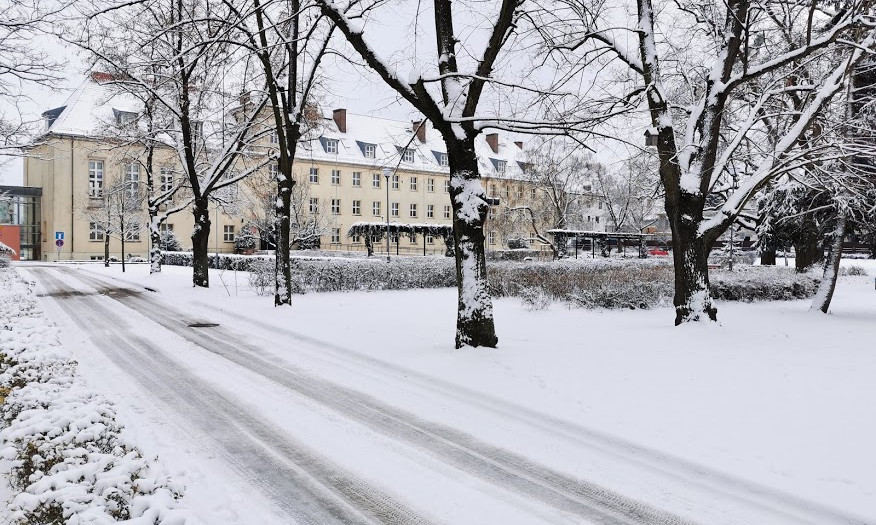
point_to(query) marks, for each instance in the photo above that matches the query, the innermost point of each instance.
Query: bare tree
(714, 89)
(289, 54)
(630, 195)
(115, 210)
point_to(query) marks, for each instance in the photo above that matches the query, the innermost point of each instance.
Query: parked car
(658, 251)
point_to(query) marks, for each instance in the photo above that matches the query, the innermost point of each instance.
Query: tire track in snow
(495, 465)
(308, 487)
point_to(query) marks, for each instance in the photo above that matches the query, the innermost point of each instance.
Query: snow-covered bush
(70, 461)
(169, 241)
(261, 276)
(853, 270)
(762, 283)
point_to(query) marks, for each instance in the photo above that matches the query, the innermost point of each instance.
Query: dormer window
(500, 167)
(124, 118)
(442, 160)
(408, 155)
(331, 146)
(370, 151)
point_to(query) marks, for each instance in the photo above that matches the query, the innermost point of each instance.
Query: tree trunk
(368, 246)
(807, 253)
(155, 258)
(283, 273)
(768, 257)
(474, 320)
(693, 301)
(106, 240)
(831, 268)
(200, 238)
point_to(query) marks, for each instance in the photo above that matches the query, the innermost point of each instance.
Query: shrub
(261, 277)
(853, 270)
(169, 241)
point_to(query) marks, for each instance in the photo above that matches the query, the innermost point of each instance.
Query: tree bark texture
(283, 274)
(807, 252)
(474, 321)
(831, 268)
(200, 238)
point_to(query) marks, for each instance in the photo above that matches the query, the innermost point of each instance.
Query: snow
(470, 196)
(756, 420)
(6, 249)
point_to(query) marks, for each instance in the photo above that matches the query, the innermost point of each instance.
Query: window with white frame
(357, 207)
(370, 151)
(95, 231)
(95, 178)
(166, 183)
(375, 180)
(132, 236)
(336, 235)
(331, 145)
(273, 137)
(375, 208)
(430, 211)
(519, 192)
(395, 181)
(357, 179)
(357, 239)
(600, 205)
(491, 237)
(394, 209)
(132, 179)
(314, 175)
(165, 227)
(447, 186)
(491, 214)
(532, 192)
(447, 212)
(442, 159)
(274, 170)
(336, 177)
(228, 233)
(430, 184)
(125, 118)
(413, 210)
(500, 166)
(408, 155)
(336, 206)
(430, 239)
(314, 205)
(413, 184)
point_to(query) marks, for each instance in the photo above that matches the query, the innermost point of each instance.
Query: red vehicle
(658, 251)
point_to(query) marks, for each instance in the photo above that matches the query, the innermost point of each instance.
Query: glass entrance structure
(20, 206)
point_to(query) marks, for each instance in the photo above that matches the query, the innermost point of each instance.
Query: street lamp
(386, 173)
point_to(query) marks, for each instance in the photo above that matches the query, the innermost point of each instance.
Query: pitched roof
(91, 108)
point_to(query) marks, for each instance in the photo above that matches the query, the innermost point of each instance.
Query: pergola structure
(600, 239)
(374, 232)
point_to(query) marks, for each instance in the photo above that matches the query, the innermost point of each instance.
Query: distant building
(342, 165)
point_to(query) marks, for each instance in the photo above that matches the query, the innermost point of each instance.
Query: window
(357, 207)
(95, 178)
(166, 183)
(375, 208)
(597, 219)
(336, 206)
(165, 227)
(491, 214)
(357, 179)
(491, 237)
(600, 205)
(430, 185)
(413, 210)
(430, 239)
(125, 118)
(357, 239)
(336, 235)
(408, 155)
(519, 192)
(331, 145)
(314, 205)
(447, 186)
(273, 137)
(314, 175)
(430, 211)
(336, 177)
(395, 209)
(395, 181)
(132, 179)
(274, 170)
(370, 151)
(447, 212)
(532, 192)
(228, 233)
(413, 184)
(375, 180)
(500, 166)
(442, 160)
(507, 192)
(95, 231)
(132, 236)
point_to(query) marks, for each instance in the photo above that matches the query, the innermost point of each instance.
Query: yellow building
(341, 172)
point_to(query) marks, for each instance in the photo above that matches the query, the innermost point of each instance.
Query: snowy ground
(763, 419)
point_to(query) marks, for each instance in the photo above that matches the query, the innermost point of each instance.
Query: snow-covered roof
(6, 249)
(389, 137)
(92, 107)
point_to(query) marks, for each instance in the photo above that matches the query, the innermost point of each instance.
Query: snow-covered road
(322, 451)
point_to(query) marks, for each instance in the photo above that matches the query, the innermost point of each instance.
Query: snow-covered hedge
(70, 462)
(587, 283)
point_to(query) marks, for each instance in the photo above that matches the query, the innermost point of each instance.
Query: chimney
(340, 116)
(519, 143)
(419, 126)
(493, 141)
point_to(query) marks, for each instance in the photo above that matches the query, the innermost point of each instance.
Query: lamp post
(386, 173)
